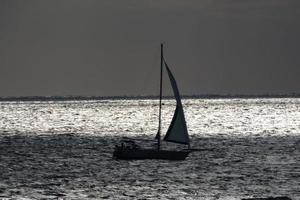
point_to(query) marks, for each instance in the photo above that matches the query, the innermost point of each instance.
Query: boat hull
(141, 154)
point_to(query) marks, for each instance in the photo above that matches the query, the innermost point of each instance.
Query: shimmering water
(63, 150)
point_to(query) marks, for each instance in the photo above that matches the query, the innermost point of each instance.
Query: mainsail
(177, 131)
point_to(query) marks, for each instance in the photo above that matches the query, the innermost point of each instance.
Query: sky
(110, 47)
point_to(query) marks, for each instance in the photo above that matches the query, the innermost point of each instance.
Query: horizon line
(128, 97)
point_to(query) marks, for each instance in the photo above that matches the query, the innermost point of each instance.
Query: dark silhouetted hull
(140, 154)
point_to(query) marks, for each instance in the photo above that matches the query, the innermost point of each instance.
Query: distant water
(63, 150)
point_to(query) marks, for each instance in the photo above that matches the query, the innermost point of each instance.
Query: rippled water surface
(63, 150)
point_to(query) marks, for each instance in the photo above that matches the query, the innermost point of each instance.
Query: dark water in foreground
(64, 151)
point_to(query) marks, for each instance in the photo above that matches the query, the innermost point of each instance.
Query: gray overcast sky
(95, 47)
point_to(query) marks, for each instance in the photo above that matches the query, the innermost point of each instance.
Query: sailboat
(176, 133)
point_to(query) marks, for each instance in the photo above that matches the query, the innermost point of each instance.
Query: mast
(160, 97)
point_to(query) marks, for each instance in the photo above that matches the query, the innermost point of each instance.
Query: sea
(63, 149)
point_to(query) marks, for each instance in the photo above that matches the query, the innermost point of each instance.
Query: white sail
(177, 131)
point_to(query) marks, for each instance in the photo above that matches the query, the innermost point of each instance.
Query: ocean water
(63, 150)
